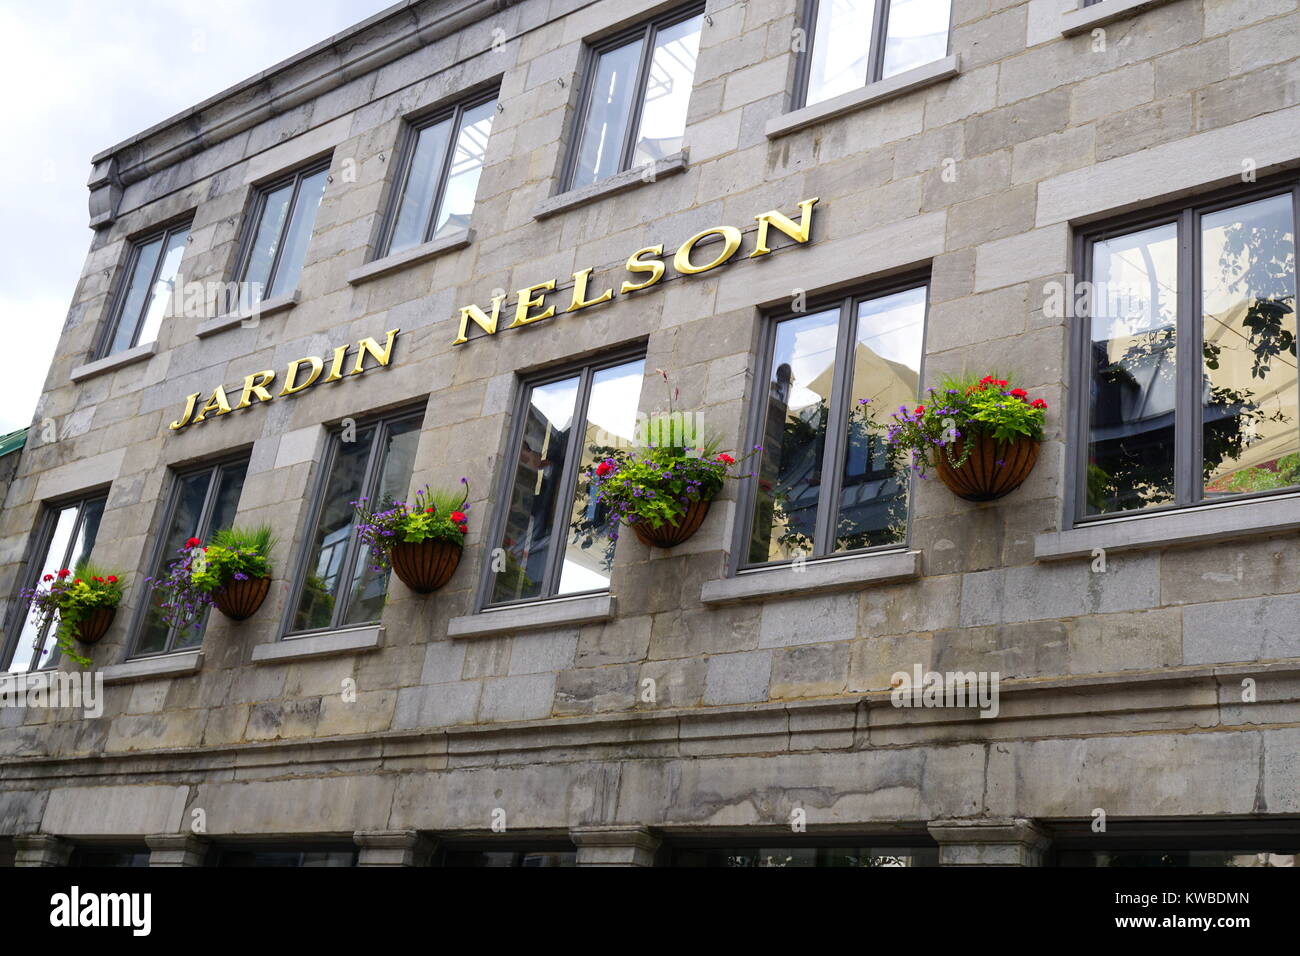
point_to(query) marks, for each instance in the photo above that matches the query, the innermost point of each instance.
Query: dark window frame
(413, 127)
(1189, 326)
(213, 468)
(123, 289)
(645, 31)
(37, 547)
(520, 848)
(875, 55)
(586, 372)
(382, 423)
(254, 220)
(836, 446)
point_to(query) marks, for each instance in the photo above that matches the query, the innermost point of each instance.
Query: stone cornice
(1176, 700)
(361, 49)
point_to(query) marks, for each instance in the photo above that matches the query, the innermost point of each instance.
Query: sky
(80, 76)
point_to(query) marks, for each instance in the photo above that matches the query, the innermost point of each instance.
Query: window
(97, 856)
(143, 298)
(439, 177)
(66, 539)
(552, 535)
(338, 586)
(1189, 354)
(806, 856)
(201, 502)
(824, 483)
(543, 854)
(326, 855)
(856, 42)
(637, 90)
(283, 218)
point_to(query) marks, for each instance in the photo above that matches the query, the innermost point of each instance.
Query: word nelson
(647, 262)
(257, 387)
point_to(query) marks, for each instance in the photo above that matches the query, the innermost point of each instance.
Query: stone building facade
(728, 700)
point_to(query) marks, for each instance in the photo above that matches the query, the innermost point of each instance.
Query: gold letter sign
(301, 374)
(644, 262)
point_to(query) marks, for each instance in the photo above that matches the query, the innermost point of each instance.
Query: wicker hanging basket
(239, 600)
(994, 468)
(94, 626)
(425, 566)
(670, 535)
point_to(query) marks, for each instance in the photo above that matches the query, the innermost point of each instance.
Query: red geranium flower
(428, 511)
(726, 459)
(1019, 393)
(112, 579)
(64, 573)
(78, 581)
(1038, 403)
(1001, 383)
(603, 469)
(464, 529)
(48, 577)
(987, 379)
(458, 517)
(920, 410)
(192, 543)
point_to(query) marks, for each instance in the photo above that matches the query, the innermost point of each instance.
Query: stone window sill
(148, 668)
(409, 257)
(1217, 522)
(556, 612)
(825, 574)
(281, 303)
(868, 95)
(111, 363)
(1084, 19)
(618, 183)
(343, 641)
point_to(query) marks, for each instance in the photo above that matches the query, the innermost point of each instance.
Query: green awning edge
(13, 441)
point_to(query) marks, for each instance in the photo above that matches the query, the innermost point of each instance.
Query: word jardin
(648, 262)
(257, 385)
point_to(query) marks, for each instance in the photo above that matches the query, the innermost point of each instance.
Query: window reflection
(1250, 430)
(668, 91)
(1134, 371)
(886, 373)
(805, 856)
(71, 535)
(917, 35)
(794, 437)
(841, 45)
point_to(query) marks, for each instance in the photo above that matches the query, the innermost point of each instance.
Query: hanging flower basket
(94, 625)
(78, 603)
(421, 539)
(993, 468)
(982, 437)
(240, 600)
(232, 574)
(669, 535)
(425, 566)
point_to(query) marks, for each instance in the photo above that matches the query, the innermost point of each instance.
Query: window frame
(645, 31)
(836, 446)
(875, 52)
(254, 221)
(1186, 216)
(413, 127)
(38, 546)
(586, 373)
(177, 477)
(382, 423)
(123, 290)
